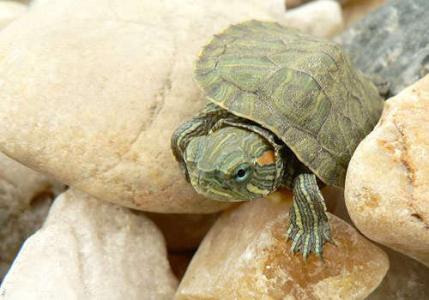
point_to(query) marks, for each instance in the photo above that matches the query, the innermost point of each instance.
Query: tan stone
(93, 89)
(321, 18)
(183, 232)
(245, 256)
(91, 249)
(9, 11)
(387, 184)
(25, 198)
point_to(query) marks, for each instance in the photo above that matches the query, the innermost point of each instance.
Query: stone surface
(91, 249)
(25, 198)
(93, 89)
(387, 184)
(321, 18)
(9, 11)
(245, 256)
(392, 42)
(407, 279)
(183, 232)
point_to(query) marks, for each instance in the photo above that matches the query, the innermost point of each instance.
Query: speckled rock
(321, 18)
(91, 249)
(109, 81)
(25, 198)
(245, 256)
(392, 42)
(387, 184)
(183, 232)
(9, 11)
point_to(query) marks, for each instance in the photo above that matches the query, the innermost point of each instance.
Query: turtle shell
(301, 88)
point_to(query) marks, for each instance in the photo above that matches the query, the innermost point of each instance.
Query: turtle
(284, 110)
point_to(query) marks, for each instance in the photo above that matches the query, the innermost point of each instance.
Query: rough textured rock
(321, 18)
(91, 249)
(25, 198)
(109, 81)
(387, 184)
(392, 42)
(245, 256)
(9, 11)
(183, 232)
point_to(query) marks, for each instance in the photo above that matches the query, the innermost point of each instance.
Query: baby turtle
(284, 109)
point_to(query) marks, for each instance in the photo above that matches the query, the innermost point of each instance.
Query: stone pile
(91, 92)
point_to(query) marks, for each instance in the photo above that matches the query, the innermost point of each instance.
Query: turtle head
(232, 164)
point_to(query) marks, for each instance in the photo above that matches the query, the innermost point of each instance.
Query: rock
(25, 198)
(183, 232)
(387, 183)
(354, 10)
(93, 89)
(91, 249)
(321, 18)
(392, 42)
(406, 279)
(9, 11)
(245, 256)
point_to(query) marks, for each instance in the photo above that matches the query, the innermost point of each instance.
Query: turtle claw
(309, 241)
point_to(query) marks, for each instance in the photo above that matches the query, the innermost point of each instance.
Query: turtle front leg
(309, 228)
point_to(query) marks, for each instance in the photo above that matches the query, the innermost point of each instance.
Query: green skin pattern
(284, 110)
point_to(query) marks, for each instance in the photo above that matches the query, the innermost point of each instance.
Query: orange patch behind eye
(267, 158)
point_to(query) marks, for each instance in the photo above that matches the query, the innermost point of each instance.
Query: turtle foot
(310, 240)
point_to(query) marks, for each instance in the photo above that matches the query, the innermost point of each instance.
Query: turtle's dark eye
(242, 173)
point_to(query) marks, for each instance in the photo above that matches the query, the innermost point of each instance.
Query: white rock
(93, 89)
(321, 18)
(387, 184)
(25, 198)
(90, 249)
(9, 11)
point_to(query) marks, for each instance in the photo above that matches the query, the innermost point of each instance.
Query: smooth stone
(91, 249)
(9, 11)
(392, 42)
(321, 18)
(245, 256)
(387, 183)
(93, 89)
(25, 198)
(183, 232)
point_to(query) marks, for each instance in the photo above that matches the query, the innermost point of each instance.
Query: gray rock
(392, 42)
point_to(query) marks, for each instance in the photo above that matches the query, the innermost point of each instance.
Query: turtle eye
(242, 173)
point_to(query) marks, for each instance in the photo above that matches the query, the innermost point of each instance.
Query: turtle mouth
(213, 190)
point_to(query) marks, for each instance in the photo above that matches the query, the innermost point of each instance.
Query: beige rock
(387, 184)
(406, 278)
(321, 18)
(25, 198)
(354, 10)
(9, 11)
(245, 256)
(90, 249)
(183, 232)
(93, 89)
